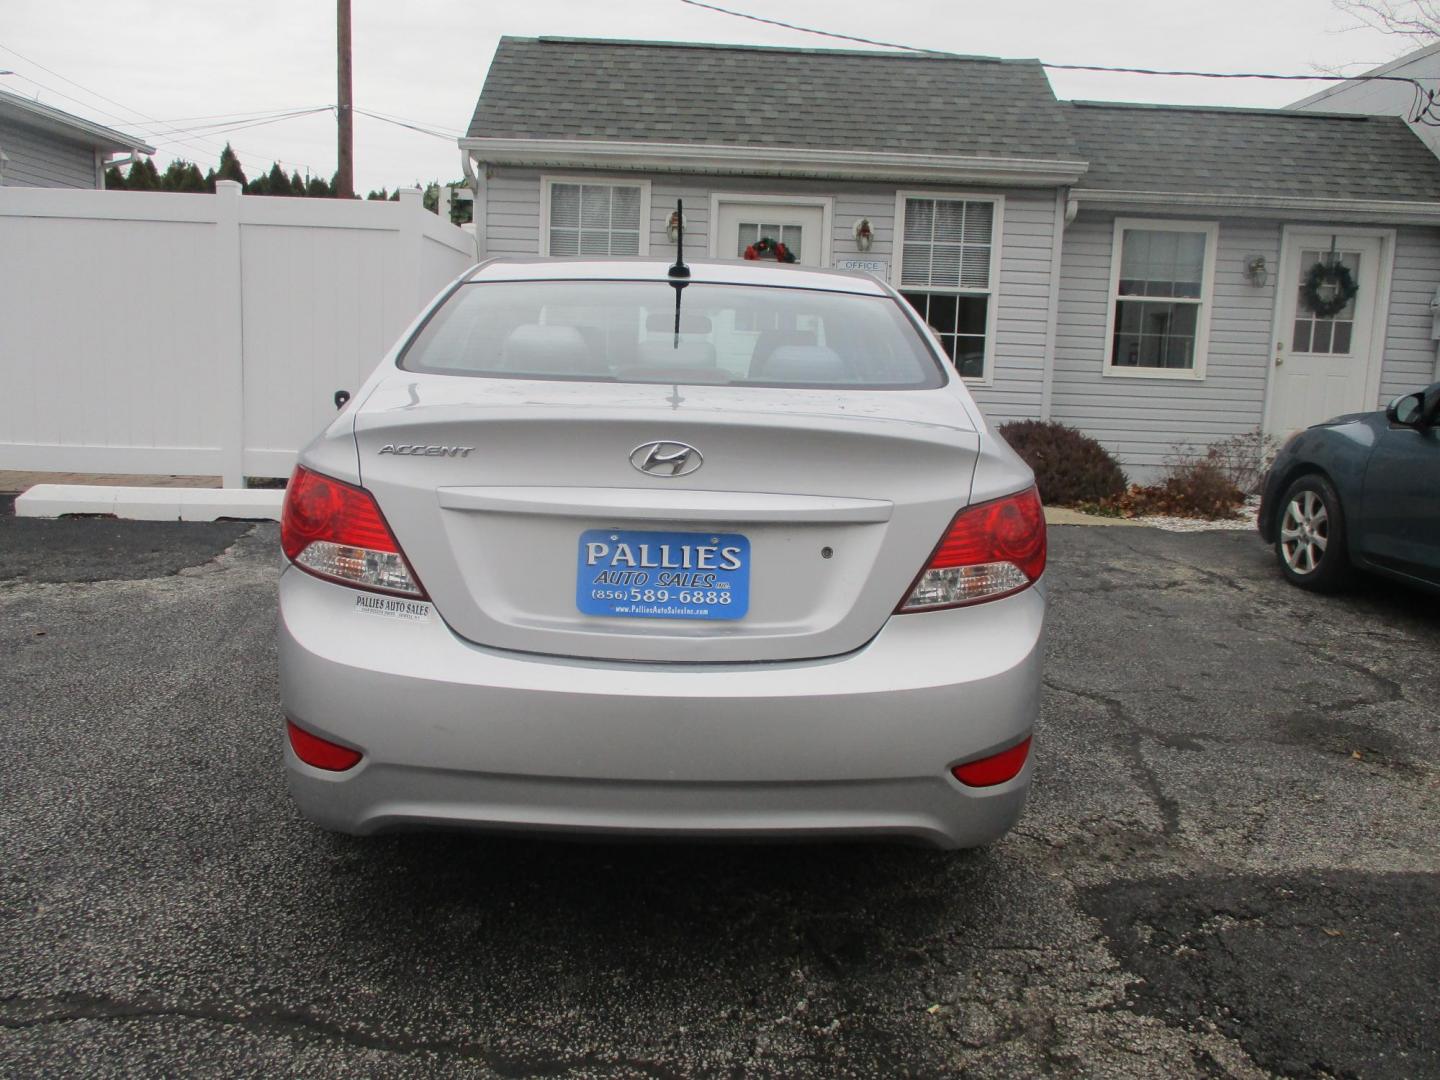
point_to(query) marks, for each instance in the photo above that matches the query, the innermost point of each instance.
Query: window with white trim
(595, 218)
(947, 262)
(1161, 280)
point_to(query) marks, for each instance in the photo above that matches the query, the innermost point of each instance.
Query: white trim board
(844, 164)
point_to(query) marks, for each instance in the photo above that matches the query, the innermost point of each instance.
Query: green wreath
(1336, 274)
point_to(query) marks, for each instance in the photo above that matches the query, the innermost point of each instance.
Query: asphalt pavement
(1230, 865)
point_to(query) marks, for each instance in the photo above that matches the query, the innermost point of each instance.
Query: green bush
(1070, 467)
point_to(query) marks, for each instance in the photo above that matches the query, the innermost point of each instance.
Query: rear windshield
(626, 331)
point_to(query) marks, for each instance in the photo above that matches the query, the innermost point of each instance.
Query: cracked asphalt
(1228, 867)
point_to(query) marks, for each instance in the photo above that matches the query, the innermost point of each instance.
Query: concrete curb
(150, 503)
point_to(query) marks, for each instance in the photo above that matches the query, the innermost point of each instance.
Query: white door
(1323, 365)
(740, 225)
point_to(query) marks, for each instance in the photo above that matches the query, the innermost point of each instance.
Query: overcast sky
(166, 65)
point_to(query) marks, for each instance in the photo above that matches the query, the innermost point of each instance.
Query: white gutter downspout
(478, 212)
(1065, 208)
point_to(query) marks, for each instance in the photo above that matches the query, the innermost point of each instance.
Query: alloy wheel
(1304, 532)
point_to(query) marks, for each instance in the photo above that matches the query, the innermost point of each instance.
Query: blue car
(1360, 491)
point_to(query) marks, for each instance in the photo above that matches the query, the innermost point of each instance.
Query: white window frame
(992, 309)
(548, 181)
(1211, 232)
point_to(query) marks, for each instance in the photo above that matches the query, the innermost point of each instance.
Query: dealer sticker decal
(393, 607)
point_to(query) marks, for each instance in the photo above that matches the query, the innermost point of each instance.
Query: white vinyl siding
(1161, 281)
(947, 260)
(595, 217)
(40, 159)
(1147, 421)
(1410, 353)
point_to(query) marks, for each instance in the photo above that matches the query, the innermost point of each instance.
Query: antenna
(679, 270)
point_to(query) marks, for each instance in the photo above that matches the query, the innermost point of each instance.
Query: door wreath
(769, 246)
(1321, 275)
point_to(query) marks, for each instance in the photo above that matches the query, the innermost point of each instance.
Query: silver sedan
(602, 549)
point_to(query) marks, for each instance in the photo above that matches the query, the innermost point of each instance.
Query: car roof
(713, 271)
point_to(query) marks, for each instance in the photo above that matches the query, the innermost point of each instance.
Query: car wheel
(1311, 541)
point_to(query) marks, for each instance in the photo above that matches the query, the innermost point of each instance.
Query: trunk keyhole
(826, 552)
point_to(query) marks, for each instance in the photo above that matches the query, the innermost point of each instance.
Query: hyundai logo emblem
(666, 458)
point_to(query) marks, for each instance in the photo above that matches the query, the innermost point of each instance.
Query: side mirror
(1408, 410)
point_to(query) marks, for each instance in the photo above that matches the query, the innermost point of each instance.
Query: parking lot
(1230, 865)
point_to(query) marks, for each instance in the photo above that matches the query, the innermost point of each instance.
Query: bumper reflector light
(995, 769)
(321, 753)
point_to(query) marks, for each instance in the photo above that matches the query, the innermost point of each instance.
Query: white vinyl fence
(144, 332)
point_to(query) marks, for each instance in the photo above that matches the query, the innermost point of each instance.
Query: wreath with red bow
(769, 246)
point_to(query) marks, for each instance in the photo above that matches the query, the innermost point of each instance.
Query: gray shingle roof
(565, 88)
(1218, 151)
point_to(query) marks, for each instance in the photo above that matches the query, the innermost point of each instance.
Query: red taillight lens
(335, 530)
(321, 753)
(995, 769)
(990, 550)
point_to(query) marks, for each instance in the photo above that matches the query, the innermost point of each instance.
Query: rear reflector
(335, 530)
(990, 550)
(321, 753)
(996, 769)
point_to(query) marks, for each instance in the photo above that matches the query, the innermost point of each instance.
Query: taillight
(336, 531)
(990, 550)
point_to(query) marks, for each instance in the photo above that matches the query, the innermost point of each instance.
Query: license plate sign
(663, 575)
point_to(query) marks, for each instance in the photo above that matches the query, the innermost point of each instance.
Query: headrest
(546, 350)
(803, 363)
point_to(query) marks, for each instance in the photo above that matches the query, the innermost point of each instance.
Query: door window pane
(750, 232)
(1325, 334)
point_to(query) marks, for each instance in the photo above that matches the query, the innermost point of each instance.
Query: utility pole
(344, 112)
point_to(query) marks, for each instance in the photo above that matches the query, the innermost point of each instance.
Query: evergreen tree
(182, 176)
(229, 167)
(114, 179)
(380, 195)
(277, 183)
(317, 188)
(143, 176)
(297, 185)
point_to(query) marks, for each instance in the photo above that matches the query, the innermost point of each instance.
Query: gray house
(1379, 96)
(44, 147)
(1141, 272)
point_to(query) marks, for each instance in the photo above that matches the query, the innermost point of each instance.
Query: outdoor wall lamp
(1256, 271)
(864, 234)
(672, 226)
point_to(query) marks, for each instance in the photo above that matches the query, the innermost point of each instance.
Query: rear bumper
(859, 745)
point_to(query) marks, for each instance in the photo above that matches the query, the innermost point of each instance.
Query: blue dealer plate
(663, 575)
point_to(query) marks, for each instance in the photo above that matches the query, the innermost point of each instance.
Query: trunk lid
(494, 488)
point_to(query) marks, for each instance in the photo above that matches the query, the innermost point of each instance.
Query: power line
(1423, 107)
(447, 136)
(128, 121)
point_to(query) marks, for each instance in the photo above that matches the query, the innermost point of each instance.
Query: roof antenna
(679, 270)
(679, 273)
